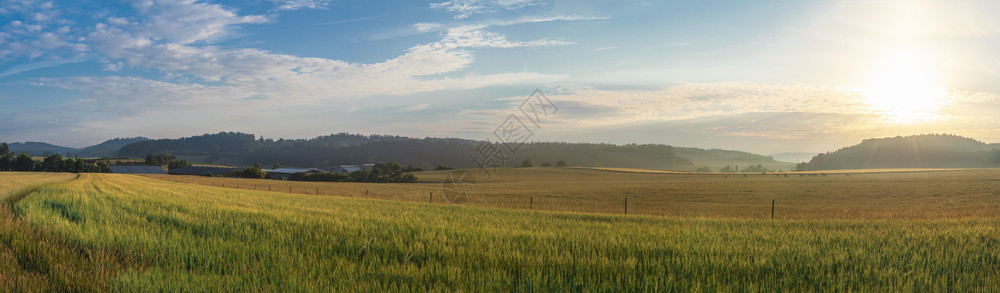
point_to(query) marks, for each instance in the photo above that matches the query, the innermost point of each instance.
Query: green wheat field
(883, 232)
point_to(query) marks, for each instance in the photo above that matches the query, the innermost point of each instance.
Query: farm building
(137, 170)
(201, 170)
(347, 168)
(353, 168)
(284, 173)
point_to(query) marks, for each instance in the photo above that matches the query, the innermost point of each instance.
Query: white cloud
(288, 78)
(424, 27)
(753, 109)
(35, 29)
(176, 38)
(465, 8)
(689, 101)
(186, 21)
(461, 8)
(301, 4)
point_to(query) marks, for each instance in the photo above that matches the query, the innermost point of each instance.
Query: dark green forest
(328, 151)
(917, 151)
(343, 148)
(53, 163)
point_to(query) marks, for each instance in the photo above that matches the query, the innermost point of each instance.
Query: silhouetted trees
(391, 172)
(177, 164)
(252, 172)
(917, 151)
(527, 163)
(52, 163)
(443, 168)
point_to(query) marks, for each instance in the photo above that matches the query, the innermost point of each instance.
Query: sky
(767, 77)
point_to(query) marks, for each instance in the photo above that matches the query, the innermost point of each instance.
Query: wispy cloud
(41, 64)
(301, 4)
(36, 30)
(695, 100)
(180, 47)
(465, 8)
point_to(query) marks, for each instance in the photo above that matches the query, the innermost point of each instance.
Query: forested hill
(104, 149)
(109, 147)
(39, 148)
(918, 151)
(716, 158)
(236, 148)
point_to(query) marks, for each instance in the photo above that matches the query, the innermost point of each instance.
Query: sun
(904, 88)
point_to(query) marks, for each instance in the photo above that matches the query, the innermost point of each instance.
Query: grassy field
(879, 194)
(131, 233)
(31, 260)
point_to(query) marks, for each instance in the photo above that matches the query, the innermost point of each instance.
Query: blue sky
(760, 76)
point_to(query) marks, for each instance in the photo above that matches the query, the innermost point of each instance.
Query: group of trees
(753, 168)
(52, 163)
(527, 162)
(165, 159)
(391, 172)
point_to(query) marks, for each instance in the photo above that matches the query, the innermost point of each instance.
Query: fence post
(317, 190)
(626, 205)
(531, 204)
(772, 209)
(366, 193)
(430, 199)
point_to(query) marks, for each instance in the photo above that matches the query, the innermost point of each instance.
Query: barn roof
(201, 170)
(137, 170)
(348, 168)
(291, 170)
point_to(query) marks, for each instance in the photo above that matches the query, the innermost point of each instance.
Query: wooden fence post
(430, 199)
(772, 209)
(626, 205)
(531, 204)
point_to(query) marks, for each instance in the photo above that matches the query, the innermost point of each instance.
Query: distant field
(878, 194)
(142, 234)
(828, 172)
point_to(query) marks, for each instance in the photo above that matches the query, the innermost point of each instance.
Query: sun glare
(904, 88)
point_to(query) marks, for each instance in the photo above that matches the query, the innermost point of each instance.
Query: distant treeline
(342, 148)
(391, 172)
(917, 151)
(52, 163)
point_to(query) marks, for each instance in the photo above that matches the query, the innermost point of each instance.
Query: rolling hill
(236, 148)
(35, 148)
(917, 151)
(104, 149)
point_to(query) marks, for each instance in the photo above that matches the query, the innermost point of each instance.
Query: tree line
(52, 163)
(391, 172)
(329, 151)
